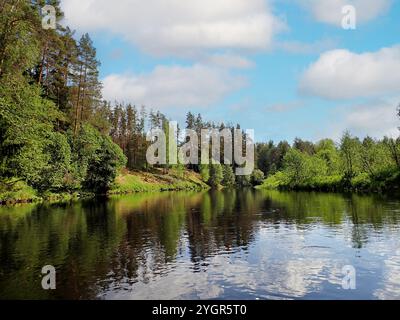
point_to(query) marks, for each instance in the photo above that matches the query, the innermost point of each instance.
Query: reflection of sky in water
(217, 245)
(282, 263)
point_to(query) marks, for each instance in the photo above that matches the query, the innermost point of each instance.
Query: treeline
(351, 165)
(58, 135)
(129, 126)
(53, 122)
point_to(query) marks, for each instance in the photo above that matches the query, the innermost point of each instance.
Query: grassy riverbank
(156, 181)
(388, 181)
(125, 183)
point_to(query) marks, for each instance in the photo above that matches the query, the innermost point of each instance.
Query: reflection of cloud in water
(274, 269)
(390, 288)
(292, 269)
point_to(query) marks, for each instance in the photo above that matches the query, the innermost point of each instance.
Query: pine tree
(216, 175)
(190, 121)
(228, 176)
(87, 88)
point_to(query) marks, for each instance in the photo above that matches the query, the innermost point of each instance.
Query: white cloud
(341, 74)
(330, 11)
(173, 86)
(374, 118)
(298, 47)
(178, 27)
(229, 61)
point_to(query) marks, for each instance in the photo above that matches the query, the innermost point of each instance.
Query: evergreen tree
(86, 86)
(216, 175)
(228, 176)
(190, 121)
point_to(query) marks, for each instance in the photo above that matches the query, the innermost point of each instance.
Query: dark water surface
(215, 245)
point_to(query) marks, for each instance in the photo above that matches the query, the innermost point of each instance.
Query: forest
(59, 136)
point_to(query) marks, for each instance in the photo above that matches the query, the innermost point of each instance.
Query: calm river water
(212, 245)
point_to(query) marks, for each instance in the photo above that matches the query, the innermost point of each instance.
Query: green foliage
(12, 190)
(269, 158)
(205, 172)
(151, 182)
(257, 177)
(54, 173)
(179, 170)
(228, 176)
(96, 160)
(243, 181)
(216, 175)
(276, 181)
(301, 168)
(27, 134)
(58, 136)
(19, 38)
(361, 181)
(326, 150)
(369, 165)
(375, 157)
(304, 146)
(102, 168)
(350, 148)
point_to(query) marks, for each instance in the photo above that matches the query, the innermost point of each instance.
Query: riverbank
(388, 181)
(126, 182)
(156, 181)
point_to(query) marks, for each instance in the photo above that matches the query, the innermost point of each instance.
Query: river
(207, 245)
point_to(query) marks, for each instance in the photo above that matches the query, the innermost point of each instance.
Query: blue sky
(283, 68)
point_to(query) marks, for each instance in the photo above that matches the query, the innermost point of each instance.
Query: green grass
(13, 191)
(133, 182)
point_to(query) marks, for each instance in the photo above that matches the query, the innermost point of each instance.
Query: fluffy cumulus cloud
(376, 118)
(330, 11)
(173, 86)
(177, 27)
(341, 74)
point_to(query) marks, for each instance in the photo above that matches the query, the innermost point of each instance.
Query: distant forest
(57, 134)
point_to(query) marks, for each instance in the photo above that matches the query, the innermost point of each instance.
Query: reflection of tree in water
(98, 245)
(359, 232)
(224, 222)
(58, 235)
(329, 209)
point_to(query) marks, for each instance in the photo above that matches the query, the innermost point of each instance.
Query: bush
(257, 177)
(96, 160)
(361, 182)
(54, 173)
(276, 181)
(103, 167)
(13, 190)
(243, 181)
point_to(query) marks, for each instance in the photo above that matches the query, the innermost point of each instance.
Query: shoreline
(125, 184)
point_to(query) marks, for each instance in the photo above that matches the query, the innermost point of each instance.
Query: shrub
(257, 177)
